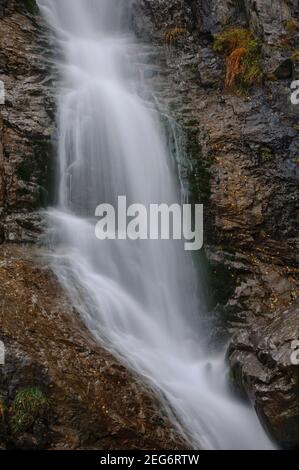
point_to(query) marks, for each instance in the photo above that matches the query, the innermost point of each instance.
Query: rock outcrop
(264, 361)
(243, 165)
(94, 402)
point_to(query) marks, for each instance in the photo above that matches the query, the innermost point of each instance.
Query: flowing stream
(139, 298)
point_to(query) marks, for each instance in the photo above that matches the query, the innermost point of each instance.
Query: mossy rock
(31, 6)
(266, 155)
(197, 167)
(291, 26)
(39, 169)
(174, 34)
(29, 406)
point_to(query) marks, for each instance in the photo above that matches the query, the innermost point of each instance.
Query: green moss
(172, 35)
(31, 6)
(200, 179)
(295, 55)
(199, 175)
(266, 154)
(45, 157)
(29, 406)
(39, 169)
(232, 39)
(243, 58)
(291, 26)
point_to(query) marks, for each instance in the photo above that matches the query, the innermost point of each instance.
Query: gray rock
(264, 366)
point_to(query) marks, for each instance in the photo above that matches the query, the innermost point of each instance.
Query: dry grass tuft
(243, 58)
(172, 35)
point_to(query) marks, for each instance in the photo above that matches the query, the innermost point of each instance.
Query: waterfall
(138, 298)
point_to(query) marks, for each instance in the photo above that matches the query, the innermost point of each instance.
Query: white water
(140, 298)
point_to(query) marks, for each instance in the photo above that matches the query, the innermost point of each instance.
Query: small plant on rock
(243, 58)
(291, 26)
(172, 35)
(2, 408)
(29, 406)
(295, 55)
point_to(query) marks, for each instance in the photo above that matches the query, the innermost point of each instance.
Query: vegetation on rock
(29, 406)
(295, 56)
(292, 26)
(243, 58)
(31, 6)
(172, 35)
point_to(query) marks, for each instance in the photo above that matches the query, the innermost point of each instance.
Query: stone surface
(95, 402)
(264, 365)
(26, 123)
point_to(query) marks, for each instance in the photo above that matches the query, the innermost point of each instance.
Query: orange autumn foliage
(243, 58)
(234, 66)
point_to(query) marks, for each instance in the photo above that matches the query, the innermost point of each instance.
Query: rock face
(94, 401)
(264, 362)
(26, 124)
(243, 154)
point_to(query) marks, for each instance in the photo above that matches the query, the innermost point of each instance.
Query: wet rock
(264, 365)
(26, 120)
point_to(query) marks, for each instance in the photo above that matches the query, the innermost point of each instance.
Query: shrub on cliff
(243, 58)
(29, 406)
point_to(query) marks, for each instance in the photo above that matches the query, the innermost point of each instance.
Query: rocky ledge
(58, 388)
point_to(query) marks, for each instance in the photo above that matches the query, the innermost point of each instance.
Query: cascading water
(138, 297)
